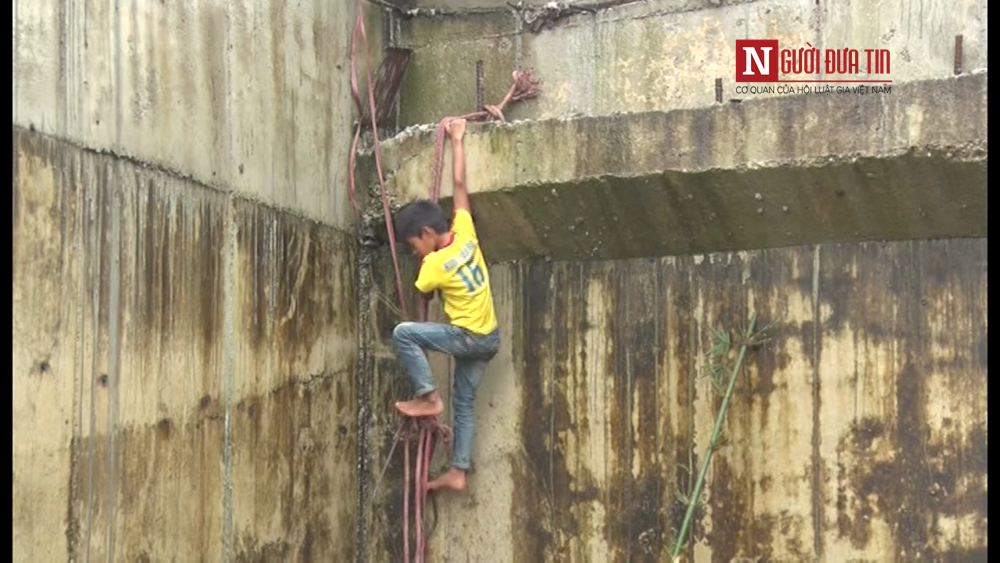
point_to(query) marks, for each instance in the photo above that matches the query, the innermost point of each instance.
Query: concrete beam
(784, 171)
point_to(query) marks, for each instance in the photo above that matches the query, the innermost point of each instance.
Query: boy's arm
(460, 194)
(426, 283)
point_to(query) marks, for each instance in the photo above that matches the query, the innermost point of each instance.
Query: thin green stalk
(693, 502)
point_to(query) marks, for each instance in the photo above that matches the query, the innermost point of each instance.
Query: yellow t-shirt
(459, 271)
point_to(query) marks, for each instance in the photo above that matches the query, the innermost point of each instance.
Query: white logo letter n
(762, 67)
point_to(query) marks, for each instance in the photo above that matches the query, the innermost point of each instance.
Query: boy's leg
(411, 340)
(468, 373)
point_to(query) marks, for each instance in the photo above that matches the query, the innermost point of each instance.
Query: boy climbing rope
(452, 264)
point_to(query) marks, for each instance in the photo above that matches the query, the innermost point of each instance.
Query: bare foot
(456, 128)
(428, 405)
(452, 480)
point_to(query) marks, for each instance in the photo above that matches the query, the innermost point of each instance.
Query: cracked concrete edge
(946, 114)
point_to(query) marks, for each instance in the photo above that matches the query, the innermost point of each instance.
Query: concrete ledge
(795, 170)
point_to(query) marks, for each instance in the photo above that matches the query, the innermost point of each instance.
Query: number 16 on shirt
(472, 276)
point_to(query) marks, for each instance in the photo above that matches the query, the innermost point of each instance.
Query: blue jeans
(472, 352)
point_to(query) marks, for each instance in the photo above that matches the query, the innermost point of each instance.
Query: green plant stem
(682, 537)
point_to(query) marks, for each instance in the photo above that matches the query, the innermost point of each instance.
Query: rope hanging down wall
(427, 431)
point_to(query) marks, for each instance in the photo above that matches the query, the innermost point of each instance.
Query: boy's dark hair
(414, 216)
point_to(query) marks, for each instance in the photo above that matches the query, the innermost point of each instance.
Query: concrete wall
(859, 433)
(185, 343)
(186, 325)
(183, 368)
(659, 54)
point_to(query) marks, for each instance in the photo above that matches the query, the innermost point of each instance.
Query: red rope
(428, 432)
(418, 490)
(525, 86)
(406, 496)
(359, 28)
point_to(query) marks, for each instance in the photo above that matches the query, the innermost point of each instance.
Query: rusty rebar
(480, 86)
(958, 54)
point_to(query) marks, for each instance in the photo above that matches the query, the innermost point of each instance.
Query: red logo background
(771, 61)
